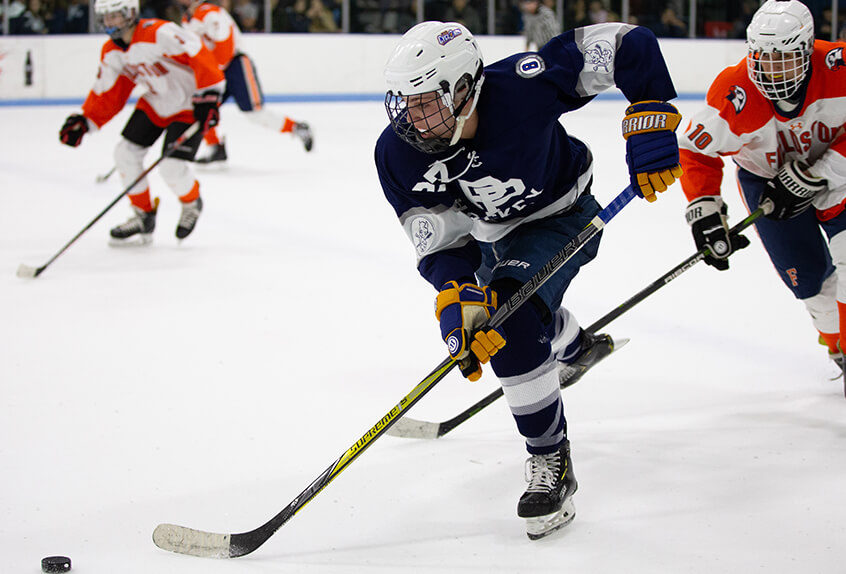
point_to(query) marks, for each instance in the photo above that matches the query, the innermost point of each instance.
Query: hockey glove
(707, 217)
(652, 151)
(75, 127)
(792, 190)
(461, 310)
(206, 109)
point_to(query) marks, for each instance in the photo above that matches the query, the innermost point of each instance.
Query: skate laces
(190, 214)
(542, 471)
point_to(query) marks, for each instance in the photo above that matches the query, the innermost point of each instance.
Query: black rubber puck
(55, 564)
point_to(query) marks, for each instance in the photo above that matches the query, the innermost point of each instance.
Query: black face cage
(397, 108)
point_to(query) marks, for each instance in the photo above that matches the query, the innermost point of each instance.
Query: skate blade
(138, 240)
(541, 526)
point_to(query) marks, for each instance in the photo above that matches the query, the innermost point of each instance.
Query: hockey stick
(101, 177)
(25, 271)
(210, 545)
(413, 428)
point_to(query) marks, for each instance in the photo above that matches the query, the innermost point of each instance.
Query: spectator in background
(77, 18)
(33, 20)
(670, 25)
(247, 15)
(463, 12)
(597, 13)
(540, 24)
(398, 15)
(747, 10)
(295, 19)
(575, 15)
(321, 19)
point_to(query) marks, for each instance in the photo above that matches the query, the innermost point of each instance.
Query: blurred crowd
(667, 18)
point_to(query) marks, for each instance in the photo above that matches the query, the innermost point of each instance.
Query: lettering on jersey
(834, 59)
(737, 97)
(422, 230)
(142, 69)
(530, 66)
(437, 176)
(792, 275)
(496, 198)
(448, 36)
(600, 55)
(798, 142)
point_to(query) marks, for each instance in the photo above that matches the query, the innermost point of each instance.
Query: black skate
(594, 348)
(216, 154)
(547, 504)
(840, 361)
(140, 226)
(188, 219)
(303, 132)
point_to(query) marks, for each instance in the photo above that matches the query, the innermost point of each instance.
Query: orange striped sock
(142, 200)
(289, 125)
(830, 340)
(191, 195)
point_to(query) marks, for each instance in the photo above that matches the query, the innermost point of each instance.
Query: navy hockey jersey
(521, 165)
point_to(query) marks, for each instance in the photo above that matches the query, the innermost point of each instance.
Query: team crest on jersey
(600, 55)
(448, 36)
(834, 59)
(737, 97)
(530, 66)
(499, 199)
(422, 231)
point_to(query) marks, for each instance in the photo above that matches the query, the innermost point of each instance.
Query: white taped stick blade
(26, 272)
(412, 428)
(192, 542)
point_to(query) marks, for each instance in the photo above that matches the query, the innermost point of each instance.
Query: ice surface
(206, 384)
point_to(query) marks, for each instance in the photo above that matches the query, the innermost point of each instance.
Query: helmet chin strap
(459, 120)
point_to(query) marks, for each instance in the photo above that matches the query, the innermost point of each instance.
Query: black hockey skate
(840, 361)
(188, 219)
(216, 154)
(594, 348)
(547, 504)
(141, 224)
(303, 132)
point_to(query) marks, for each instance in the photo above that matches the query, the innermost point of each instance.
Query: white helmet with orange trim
(780, 40)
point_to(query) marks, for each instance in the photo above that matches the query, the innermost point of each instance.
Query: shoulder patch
(737, 97)
(530, 66)
(834, 59)
(600, 54)
(423, 231)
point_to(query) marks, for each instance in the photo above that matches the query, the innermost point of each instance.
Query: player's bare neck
(471, 124)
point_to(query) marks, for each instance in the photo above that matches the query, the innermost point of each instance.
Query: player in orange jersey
(183, 84)
(221, 35)
(779, 114)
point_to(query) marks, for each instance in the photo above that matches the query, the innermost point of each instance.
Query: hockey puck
(55, 564)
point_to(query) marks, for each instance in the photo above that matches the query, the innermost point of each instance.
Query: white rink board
(290, 64)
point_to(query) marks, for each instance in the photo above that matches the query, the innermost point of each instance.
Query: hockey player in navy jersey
(489, 186)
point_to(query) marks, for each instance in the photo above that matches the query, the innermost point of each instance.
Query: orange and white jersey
(217, 29)
(170, 62)
(741, 123)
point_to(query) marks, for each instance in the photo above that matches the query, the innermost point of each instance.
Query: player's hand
(462, 310)
(206, 109)
(792, 190)
(652, 150)
(707, 217)
(75, 127)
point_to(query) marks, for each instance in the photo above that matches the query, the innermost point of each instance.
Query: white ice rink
(206, 384)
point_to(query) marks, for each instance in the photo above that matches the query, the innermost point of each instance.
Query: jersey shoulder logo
(422, 230)
(530, 66)
(834, 59)
(600, 54)
(737, 97)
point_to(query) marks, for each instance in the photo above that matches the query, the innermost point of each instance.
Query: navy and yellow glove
(462, 310)
(652, 151)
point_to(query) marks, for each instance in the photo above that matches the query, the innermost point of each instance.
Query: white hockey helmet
(780, 40)
(442, 58)
(128, 8)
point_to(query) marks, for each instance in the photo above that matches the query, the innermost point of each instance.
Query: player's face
(781, 66)
(114, 20)
(429, 115)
